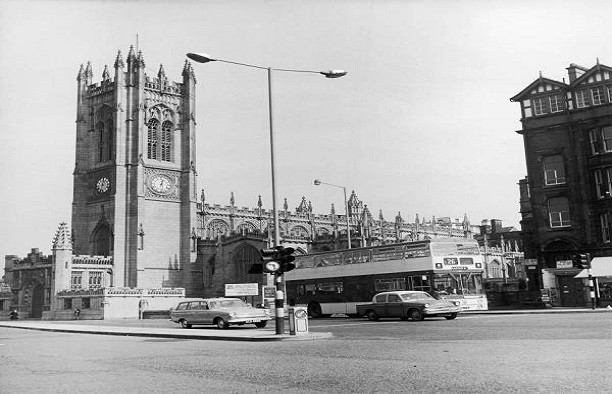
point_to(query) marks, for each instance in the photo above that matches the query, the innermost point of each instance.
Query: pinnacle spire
(119, 61)
(105, 73)
(63, 238)
(141, 62)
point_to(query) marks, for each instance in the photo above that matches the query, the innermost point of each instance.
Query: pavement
(163, 328)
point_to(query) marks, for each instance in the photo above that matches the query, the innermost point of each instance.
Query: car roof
(208, 299)
(402, 292)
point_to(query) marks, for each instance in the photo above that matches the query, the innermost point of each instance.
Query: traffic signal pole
(591, 288)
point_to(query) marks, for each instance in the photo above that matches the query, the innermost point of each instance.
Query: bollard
(298, 320)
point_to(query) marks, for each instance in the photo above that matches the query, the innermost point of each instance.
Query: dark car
(221, 312)
(414, 305)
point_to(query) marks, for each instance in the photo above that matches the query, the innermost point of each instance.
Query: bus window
(330, 287)
(390, 284)
(419, 282)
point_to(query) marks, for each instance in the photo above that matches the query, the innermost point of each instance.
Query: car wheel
(220, 323)
(415, 315)
(372, 316)
(185, 324)
(261, 324)
(451, 317)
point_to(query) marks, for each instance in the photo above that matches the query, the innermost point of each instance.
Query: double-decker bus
(334, 282)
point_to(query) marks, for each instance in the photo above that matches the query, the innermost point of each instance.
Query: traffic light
(270, 263)
(582, 260)
(277, 260)
(285, 258)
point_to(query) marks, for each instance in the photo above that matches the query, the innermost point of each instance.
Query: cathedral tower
(135, 178)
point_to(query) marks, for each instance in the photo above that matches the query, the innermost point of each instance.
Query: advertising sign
(241, 289)
(269, 292)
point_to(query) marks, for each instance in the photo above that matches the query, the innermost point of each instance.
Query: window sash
(605, 227)
(540, 106)
(556, 104)
(559, 215)
(597, 95)
(582, 99)
(554, 172)
(606, 136)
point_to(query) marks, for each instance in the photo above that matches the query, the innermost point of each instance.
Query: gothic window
(100, 130)
(102, 241)
(76, 280)
(244, 258)
(166, 143)
(152, 139)
(159, 140)
(495, 269)
(104, 131)
(95, 279)
(554, 172)
(299, 232)
(217, 228)
(558, 212)
(109, 141)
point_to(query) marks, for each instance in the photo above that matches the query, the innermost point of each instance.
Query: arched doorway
(38, 300)
(245, 256)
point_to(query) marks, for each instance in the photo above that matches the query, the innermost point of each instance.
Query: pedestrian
(77, 313)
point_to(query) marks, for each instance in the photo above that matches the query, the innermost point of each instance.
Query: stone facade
(135, 178)
(565, 199)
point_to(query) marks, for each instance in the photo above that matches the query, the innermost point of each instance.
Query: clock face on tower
(161, 184)
(102, 185)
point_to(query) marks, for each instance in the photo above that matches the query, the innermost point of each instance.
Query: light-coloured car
(222, 312)
(413, 305)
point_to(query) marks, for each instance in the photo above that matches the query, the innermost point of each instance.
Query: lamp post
(204, 58)
(318, 182)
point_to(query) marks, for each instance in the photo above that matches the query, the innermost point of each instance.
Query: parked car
(221, 312)
(414, 305)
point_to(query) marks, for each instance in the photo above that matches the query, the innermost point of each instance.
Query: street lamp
(204, 58)
(318, 182)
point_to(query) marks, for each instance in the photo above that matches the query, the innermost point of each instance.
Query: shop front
(601, 272)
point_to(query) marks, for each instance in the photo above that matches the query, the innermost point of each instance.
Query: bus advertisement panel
(334, 282)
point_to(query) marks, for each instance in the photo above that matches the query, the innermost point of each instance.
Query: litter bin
(298, 320)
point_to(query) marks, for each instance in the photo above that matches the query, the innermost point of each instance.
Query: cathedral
(141, 229)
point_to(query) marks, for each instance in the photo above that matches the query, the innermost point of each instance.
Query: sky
(421, 124)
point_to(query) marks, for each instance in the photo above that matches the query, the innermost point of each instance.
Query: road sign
(241, 289)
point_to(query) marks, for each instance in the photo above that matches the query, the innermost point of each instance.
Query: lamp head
(317, 182)
(334, 73)
(200, 57)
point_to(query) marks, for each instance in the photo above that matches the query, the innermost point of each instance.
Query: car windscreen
(416, 296)
(223, 304)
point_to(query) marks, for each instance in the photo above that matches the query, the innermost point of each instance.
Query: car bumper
(441, 312)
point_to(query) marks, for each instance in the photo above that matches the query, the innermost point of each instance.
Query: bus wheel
(415, 315)
(371, 315)
(451, 317)
(314, 310)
